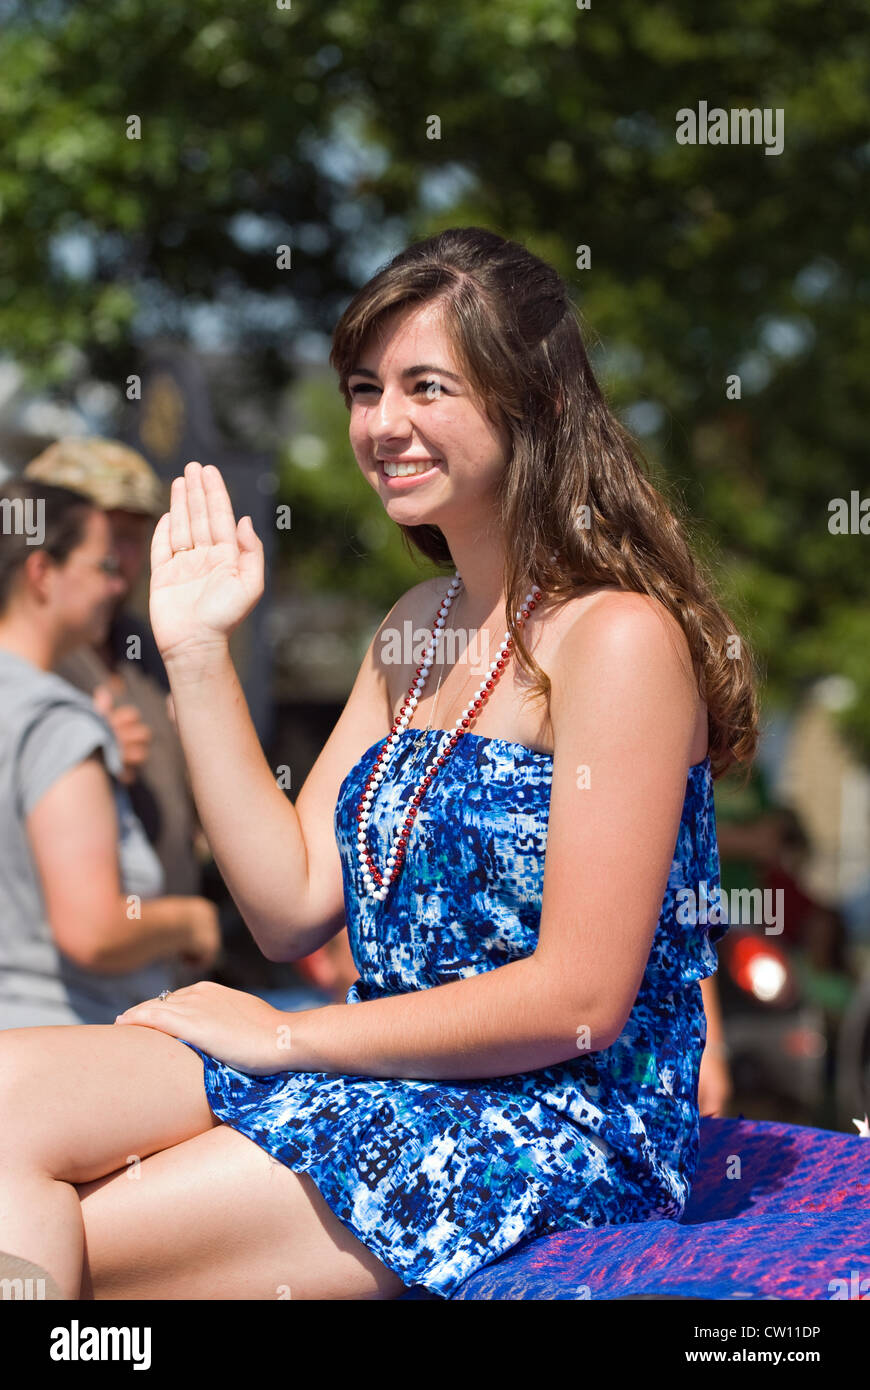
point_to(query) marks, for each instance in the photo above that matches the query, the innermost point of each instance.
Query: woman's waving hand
(206, 571)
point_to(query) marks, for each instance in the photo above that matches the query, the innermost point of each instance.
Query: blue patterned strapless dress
(439, 1178)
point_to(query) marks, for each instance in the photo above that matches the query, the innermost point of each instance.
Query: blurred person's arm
(331, 968)
(73, 831)
(135, 739)
(85, 669)
(714, 1078)
(757, 840)
(129, 728)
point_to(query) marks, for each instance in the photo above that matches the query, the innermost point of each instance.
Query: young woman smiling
(520, 1052)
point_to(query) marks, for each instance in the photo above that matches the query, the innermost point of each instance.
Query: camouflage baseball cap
(109, 473)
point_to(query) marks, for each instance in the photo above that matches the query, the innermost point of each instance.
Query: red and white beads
(375, 883)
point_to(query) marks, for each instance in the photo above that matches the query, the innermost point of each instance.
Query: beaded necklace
(377, 884)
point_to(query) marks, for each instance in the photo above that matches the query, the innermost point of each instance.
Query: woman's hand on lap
(237, 1028)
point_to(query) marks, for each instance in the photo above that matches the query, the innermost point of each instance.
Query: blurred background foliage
(308, 126)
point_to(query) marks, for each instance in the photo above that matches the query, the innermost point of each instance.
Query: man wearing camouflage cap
(126, 675)
(113, 475)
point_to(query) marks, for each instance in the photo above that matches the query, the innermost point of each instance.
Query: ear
(35, 571)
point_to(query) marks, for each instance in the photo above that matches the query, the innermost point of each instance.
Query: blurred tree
(313, 127)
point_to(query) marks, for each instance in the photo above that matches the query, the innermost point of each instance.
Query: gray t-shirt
(47, 727)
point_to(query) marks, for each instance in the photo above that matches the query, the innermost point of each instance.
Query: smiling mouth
(396, 472)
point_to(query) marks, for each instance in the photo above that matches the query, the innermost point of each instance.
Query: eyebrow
(409, 371)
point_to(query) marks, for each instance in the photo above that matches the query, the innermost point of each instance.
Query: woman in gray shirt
(84, 931)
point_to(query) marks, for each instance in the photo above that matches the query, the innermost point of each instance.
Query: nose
(389, 419)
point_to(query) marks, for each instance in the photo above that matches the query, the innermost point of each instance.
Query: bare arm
(715, 1084)
(73, 832)
(252, 829)
(715, 1046)
(278, 859)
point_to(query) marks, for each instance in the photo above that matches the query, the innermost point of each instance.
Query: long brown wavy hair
(576, 481)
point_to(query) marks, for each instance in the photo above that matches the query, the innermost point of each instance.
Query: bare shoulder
(416, 608)
(421, 602)
(620, 629)
(618, 616)
(418, 604)
(427, 595)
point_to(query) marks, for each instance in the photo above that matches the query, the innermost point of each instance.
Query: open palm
(206, 572)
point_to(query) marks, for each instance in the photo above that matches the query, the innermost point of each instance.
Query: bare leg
(116, 1177)
(77, 1103)
(218, 1218)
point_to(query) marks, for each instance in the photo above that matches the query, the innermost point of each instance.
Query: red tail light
(761, 968)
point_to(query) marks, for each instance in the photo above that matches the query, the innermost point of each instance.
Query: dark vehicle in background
(798, 1035)
(853, 1055)
(794, 1009)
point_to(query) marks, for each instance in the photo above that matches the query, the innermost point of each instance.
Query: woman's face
(410, 402)
(84, 593)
